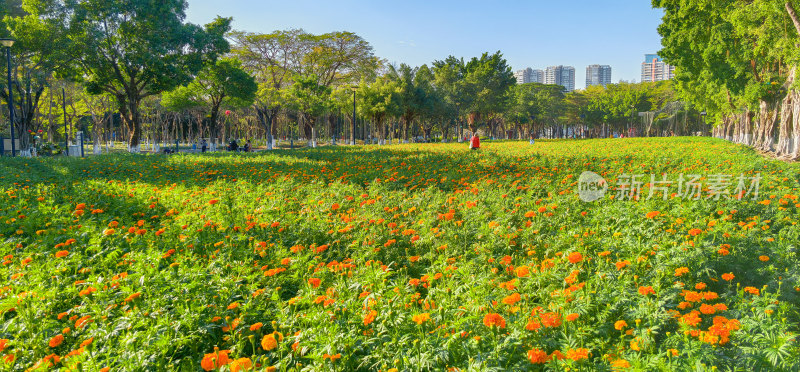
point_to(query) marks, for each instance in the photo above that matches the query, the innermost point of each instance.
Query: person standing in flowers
(475, 142)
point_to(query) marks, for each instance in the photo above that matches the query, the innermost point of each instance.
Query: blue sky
(530, 33)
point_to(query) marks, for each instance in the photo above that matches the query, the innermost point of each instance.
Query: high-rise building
(529, 75)
(537, 76)
(598, 75)
(561, 75)
(523, 76)
(654, 69)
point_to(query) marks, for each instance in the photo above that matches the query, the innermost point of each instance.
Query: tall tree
(311, 100)
(43, 47)
(410, 96)
(486, 80)
(139, 48)
(223, 84)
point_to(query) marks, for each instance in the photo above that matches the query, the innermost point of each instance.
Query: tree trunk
(795, 143)
(767, 118)
(129, 110)
(472, 121)
(783, 147)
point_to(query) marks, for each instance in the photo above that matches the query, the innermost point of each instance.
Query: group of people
(232, 146)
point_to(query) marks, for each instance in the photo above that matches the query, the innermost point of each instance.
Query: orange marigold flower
(233, 305)
(551, 320)
(695, 232)
(691, 319)
(269, 342)
(56, 340)
(752, 290)
(707, 309)
(60, 254)
(213, 201)
(620, 325)
(241, 364)
(728, 276)
(557, 355)
(370, 317)
(256, 326)
(575, 257)
(763, 258)
(492, 319)
(652, 214)
(645, 290)
(215, 360)
(315, 282)
(512, 299)
(681, 270)
(420, 318)
(578, 354)
(620, 364)
(522, 271)
(538, 356)
(572, 317)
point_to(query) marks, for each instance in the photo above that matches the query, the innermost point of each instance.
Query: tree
(746, 50)
(43, 47)
(139, 48)
(222, 84)
(379, 100)
(272, 59)
(534, 102)
(449, 82)
(410, 96)
(311, 100)
(333, 59)
(486, 80)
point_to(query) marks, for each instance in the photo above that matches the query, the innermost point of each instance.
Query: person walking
(475, 142)
(203, 145)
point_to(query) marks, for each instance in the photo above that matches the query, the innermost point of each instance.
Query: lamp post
(703, 115)
(8, 43)
(458, 121)
(353, 133)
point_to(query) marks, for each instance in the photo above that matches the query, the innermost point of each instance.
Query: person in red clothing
(475, 142)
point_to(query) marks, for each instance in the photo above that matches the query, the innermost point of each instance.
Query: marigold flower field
(397, 258)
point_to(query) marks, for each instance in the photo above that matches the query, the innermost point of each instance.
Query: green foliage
(136, 49)
(308, 96)
(154, 262)
(486, 80)
(223, 84)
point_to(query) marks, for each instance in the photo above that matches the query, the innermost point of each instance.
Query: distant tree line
(136, 71)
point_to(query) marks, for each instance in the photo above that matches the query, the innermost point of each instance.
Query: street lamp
(703, 115)
(353, 133)
(8, 43)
